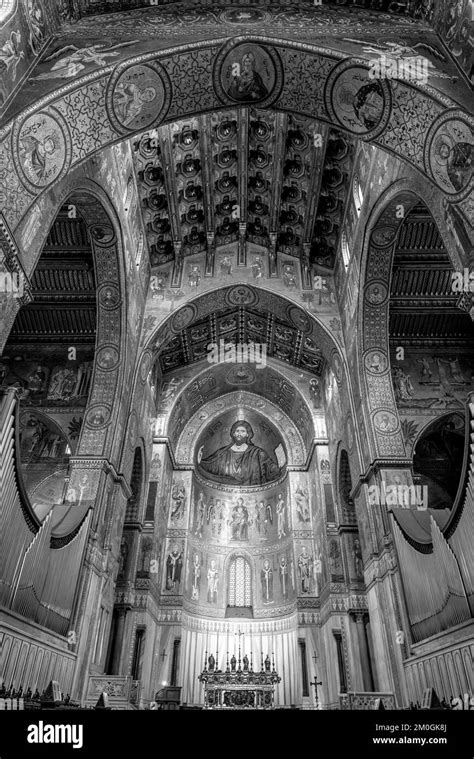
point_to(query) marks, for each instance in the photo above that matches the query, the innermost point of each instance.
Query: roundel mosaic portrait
(360, 104)
(248, 73)
(42, 149)
(138, 96)
(243, 16)
(449, 152)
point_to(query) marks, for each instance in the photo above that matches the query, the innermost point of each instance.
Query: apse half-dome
(241, 449)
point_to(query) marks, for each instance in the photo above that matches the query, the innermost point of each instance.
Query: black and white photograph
(236, 372)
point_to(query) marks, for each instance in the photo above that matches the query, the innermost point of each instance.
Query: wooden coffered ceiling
(82, 8)
(271, 176)
(423, 306)
(63, 309)
(242, 325)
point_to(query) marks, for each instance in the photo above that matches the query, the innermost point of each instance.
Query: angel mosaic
(401, 51)
(38, 152)
(71, 60)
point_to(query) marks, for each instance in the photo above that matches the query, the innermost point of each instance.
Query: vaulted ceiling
(272, 177)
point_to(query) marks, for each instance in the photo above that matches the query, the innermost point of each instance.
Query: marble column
(118, 641)
(367, 678)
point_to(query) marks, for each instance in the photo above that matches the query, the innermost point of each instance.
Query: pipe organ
(37, 579)
(439, 585)
(462, 540)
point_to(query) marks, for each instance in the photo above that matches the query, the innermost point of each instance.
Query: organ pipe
(15, 533)
(432, 584)
(462, 539)
(37, 581)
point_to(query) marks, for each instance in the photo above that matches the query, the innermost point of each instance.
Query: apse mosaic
(306, 569)
(241, 452)
(178, 510)
(301, 500)
(241, 584)
(233, 516)
(173, 567)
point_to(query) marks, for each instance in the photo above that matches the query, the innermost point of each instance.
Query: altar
(239, 686)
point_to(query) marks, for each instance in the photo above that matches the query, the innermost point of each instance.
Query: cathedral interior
(237, 367)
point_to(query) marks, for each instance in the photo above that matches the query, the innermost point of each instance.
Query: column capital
(360, 616)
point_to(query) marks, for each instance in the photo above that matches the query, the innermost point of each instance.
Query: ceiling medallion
(241, 295)
(449, 147)
(184, 317)
(360, 104)
(299, 319)
(376, 293)
(243, 16)
(247, 72)
(103, 234)
(107, 357)
(109, 297)
(138, 96)
(376, 362)
(241, 375)
(42, 149)
(97, 416)
(385, 421)
(383, 236)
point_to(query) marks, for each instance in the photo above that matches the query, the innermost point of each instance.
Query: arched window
(346, 254)
(357, 194)
(240, 586)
